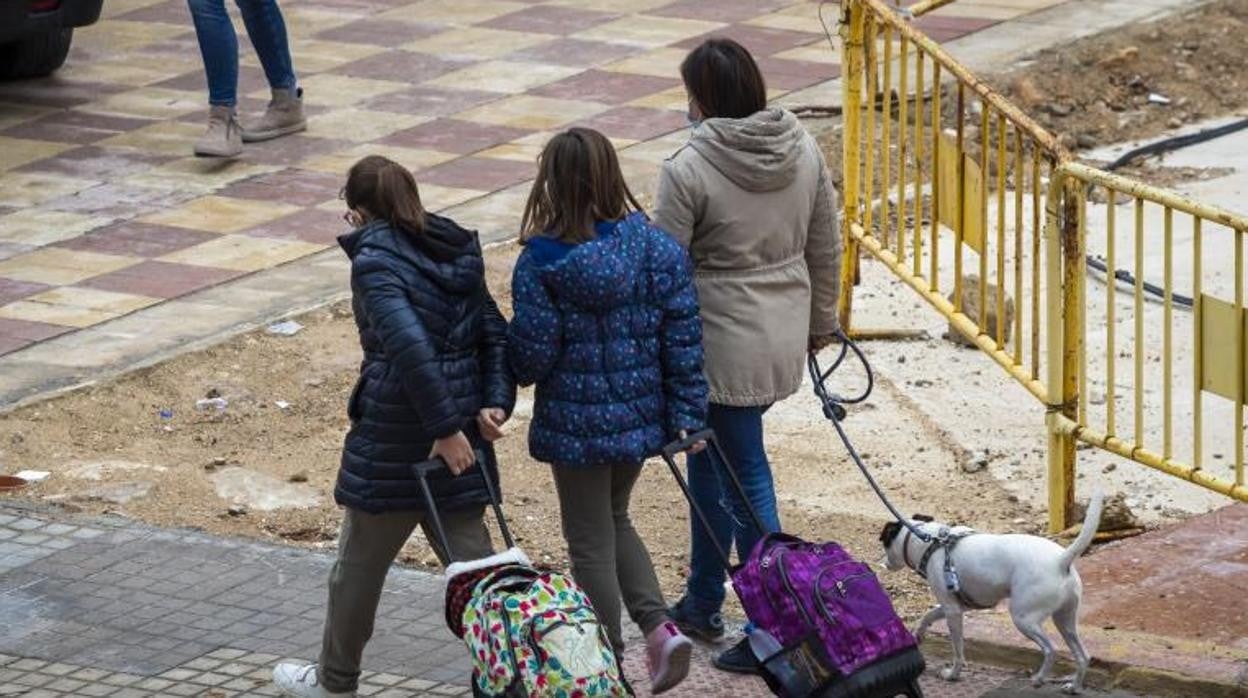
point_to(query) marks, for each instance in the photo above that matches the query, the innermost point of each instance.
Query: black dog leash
(834, 410)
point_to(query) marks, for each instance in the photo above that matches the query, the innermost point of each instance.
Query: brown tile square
(575, 52)
(400, 66)
(454, 136)
(484, 174)
(13, 290)
(761, 41)
(82, 128)
(719, 10)
(785, 74)
(950, 28)
(135, 239)
(160, 279)
(379, 32)
(550, 19)
(250, 78)
(636, 123)
(292, 150)
(31, 332)
(315, 225)
(431, 101)
(292, 186)
(98, 163)
(168, 12)
(606, 87)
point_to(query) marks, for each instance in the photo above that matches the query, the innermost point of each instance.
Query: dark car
(35, 34)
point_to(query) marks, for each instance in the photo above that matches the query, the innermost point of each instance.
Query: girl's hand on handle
(490, 422)
(455, 451)
(697, 447)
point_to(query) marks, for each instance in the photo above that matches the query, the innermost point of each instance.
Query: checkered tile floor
(103, 211)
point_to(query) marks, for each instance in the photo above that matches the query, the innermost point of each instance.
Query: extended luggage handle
(716, 454)
(434, 519)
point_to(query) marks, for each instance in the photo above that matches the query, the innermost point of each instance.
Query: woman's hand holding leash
(455, 451)
(821, 341)
(490, 422)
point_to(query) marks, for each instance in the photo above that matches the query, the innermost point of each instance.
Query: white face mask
(693, 123)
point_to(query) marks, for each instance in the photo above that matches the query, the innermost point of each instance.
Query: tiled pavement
(92, 607)
(103, 212)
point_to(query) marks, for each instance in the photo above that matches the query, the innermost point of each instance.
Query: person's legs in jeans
(219, 47)
(739, 431)
(267, 30)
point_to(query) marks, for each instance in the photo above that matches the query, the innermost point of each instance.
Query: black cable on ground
(1161, 147)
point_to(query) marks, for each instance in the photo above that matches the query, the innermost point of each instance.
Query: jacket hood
(444, 252)
(596, 275)
(758, 153)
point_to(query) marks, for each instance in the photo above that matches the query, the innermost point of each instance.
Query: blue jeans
(740, 433)
(219, 45)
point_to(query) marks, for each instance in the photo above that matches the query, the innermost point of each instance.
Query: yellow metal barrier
(941, 171)
(1166, 436)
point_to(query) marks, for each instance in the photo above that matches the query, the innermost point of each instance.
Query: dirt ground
(1097, 90)
(139, 447)
(110, 450)
(1109, 88)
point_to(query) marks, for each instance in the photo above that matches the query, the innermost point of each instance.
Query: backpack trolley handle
(716, 453)
(434, 519)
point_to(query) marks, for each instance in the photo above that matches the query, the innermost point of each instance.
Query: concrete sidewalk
(1162, 613)
(92, 607)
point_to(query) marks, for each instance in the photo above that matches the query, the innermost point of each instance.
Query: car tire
(35, 56)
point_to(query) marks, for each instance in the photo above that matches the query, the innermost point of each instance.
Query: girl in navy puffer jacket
(433, 382)
(606, 324)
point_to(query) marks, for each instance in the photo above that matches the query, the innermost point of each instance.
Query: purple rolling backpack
(831, 624)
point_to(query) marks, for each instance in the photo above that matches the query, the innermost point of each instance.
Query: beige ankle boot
(224, 138)
(284, 115)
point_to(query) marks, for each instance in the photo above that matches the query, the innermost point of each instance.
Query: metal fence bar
(1111, 245)
(1240, 358)
(873, 69)
(1167, 343)
(1198, 347)
(1139, 322)
(959, 230)
(917, 247)
(1000, 231)
(886, 228)
(903, 114)
(933, 252)
(1019, 175)
(984, 142)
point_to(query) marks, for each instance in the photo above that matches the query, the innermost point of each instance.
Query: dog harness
(947, 540)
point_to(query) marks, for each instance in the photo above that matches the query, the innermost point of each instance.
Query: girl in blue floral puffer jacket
(607, 325)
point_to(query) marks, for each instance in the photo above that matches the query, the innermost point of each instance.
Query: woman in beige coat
(751, 197)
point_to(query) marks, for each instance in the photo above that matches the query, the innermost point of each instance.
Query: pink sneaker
(668, 652)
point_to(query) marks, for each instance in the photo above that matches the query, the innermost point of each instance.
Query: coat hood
(758, 153)
(444, 252)
(597, 275)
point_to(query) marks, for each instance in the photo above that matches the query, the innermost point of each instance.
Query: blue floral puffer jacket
(609, 331)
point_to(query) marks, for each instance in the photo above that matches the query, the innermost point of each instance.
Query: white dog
(1037, 575)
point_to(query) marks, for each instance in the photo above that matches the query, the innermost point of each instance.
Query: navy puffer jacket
(609, 331)
(434, 355)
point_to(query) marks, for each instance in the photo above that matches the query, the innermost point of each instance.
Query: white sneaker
(301, 681)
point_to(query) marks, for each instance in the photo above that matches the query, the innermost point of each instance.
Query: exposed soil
(1097, 90)
(117, 431)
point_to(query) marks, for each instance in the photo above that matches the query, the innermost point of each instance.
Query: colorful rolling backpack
(531, 633)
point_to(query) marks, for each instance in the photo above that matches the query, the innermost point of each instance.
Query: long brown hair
(578, 183)
(382, 189)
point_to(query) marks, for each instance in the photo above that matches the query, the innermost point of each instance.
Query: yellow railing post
(1063, 252)
(853, 22)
